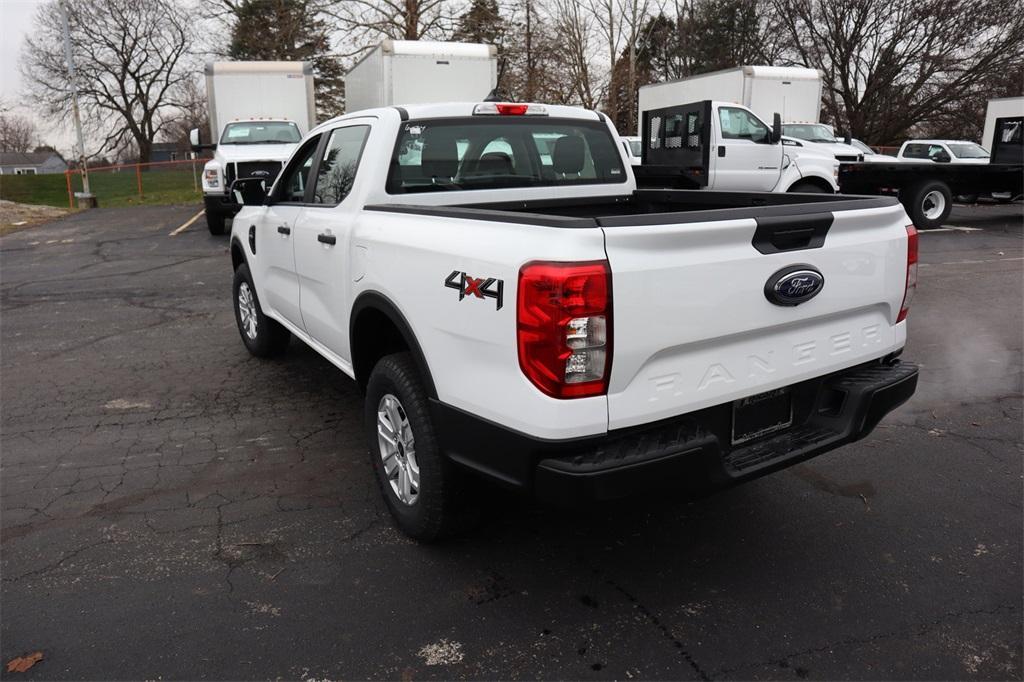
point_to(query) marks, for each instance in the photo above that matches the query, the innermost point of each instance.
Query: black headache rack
(676, 147)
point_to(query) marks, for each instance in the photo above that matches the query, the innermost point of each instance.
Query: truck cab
(726, 146)
(943, 151)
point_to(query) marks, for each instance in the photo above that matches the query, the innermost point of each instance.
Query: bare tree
(574, 27)
(132, 58)
(368, 21)
(17, 133)
(893, 64)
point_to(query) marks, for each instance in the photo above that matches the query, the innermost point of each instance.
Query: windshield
(968, 150)
(809, 131)
(637, 146)
(261, 132)
(496, 152)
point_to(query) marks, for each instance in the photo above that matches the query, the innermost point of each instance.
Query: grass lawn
(112, 188)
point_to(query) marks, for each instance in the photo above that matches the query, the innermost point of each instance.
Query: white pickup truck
(515, 308)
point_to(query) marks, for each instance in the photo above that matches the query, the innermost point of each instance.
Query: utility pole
(86, 197)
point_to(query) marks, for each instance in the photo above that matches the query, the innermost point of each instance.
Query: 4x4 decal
(481, 287)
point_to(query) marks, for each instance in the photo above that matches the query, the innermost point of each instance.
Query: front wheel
(928, 204)
(215, 222)
(421, 487)
(263, 336)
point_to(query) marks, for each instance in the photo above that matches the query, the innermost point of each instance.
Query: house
(31, 163)
(168, 151)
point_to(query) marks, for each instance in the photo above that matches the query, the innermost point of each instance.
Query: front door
(322, 240)
(275, 254)
(745, 158)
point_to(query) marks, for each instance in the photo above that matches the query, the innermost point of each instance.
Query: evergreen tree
(290, 30)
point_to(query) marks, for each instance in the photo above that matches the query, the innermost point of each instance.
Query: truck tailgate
(693, 326)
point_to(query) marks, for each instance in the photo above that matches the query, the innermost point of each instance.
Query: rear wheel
(421, 487)
(263, 336)
(928, 204)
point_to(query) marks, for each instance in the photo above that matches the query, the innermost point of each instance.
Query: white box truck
(1001, 108)
(398, 72)
(792, 92)
(258, 113)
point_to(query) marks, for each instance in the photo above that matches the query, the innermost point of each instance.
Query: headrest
(567, 156)
(495, 163)
(440, 157)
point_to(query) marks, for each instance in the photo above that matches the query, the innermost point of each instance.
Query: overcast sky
(16, 23)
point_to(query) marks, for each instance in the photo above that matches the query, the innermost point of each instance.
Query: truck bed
(648, 207)
(875, 178)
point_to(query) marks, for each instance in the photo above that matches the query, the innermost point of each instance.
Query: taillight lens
(911, 285)
(564, 327)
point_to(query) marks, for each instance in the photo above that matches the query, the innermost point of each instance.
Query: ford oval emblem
(794, 285)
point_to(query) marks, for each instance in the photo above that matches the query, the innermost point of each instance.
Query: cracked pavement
(173, 508)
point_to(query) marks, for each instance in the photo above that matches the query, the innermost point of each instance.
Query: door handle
(281, 229)
(327, 239)
(721, 150)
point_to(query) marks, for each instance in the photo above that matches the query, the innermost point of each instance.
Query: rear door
(322, 248)
(693, 326)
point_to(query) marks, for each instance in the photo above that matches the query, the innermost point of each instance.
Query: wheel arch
(378, 328)
(238, 255)
(815, 180)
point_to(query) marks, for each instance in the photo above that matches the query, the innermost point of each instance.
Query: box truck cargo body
(793, 92)
(398, 72)
(281, 91)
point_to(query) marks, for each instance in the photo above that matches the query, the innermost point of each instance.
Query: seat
(568, 155)
(440, 156)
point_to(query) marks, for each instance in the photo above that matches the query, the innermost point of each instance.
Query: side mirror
(196, 142)
(942, 157)
(776, 128)
(847, 139)
(250, 191)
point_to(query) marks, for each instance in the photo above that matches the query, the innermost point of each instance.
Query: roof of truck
(779, 72)
(461, 109)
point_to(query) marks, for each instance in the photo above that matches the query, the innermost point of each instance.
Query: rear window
(492, 153)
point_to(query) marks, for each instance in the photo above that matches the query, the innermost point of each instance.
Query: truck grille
(266, 170)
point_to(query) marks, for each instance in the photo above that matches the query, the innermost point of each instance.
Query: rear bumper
(689, 453)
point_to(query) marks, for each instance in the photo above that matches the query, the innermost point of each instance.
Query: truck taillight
(508, 109)
(564, 327)
(911, 285)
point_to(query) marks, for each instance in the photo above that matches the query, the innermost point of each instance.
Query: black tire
(808, 187)
(923, 197)
(215, 222)
(436, 510)
(269, 337)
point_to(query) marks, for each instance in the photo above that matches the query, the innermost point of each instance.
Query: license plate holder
(762, 414)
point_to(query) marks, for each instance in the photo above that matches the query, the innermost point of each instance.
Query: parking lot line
(951, 228)
(187, 224)
(971, 262)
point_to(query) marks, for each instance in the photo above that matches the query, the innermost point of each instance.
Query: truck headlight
(211, 178)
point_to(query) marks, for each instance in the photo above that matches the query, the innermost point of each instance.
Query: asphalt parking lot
(173, 508)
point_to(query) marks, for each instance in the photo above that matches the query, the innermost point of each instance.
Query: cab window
(337, 170)
(740, 124)
(916, 151)
(291, 187)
